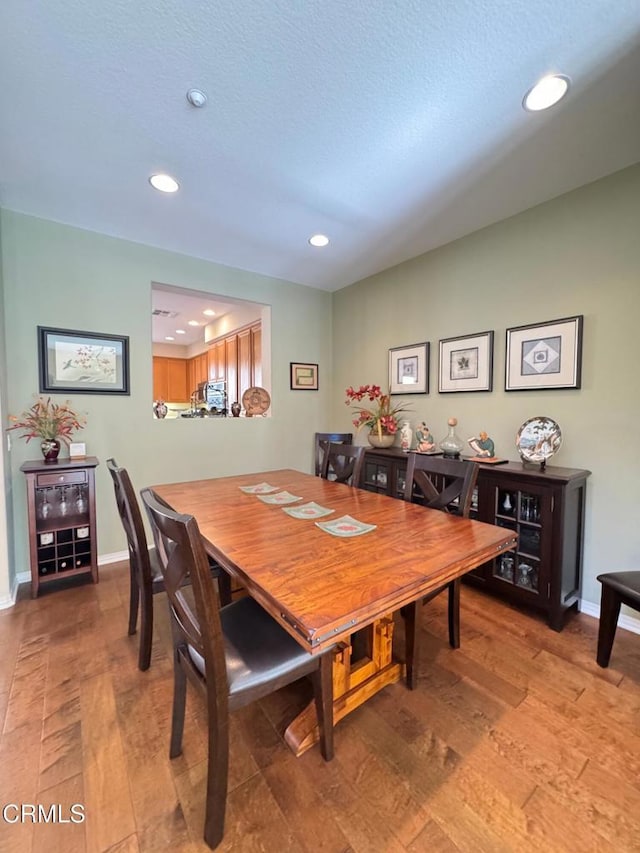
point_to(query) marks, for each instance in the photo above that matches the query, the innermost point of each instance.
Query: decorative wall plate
(256, 401)
(538, 439)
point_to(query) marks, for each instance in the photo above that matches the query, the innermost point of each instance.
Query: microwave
(213, 395)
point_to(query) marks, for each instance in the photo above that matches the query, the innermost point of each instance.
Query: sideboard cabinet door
(546, 510)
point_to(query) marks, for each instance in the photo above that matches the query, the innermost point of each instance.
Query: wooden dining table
(322, 588)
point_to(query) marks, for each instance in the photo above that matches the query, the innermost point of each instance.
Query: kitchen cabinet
(191, 376)
(202, 368)
(177, 380)
(244, 361)
(62, 520)
(256, 355)
(235, 359)
(231, 362)
(220, 360)
(170, 379)
(544, 507)
(249, 359)
(217, 361)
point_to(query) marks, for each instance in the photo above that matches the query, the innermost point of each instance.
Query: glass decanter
(451, 445)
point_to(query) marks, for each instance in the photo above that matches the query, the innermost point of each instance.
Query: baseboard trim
(25, 577)
(8, 600)
(116, 557)
(624, 621)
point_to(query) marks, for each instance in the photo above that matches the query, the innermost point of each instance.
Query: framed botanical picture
(466, 363)
(73, 362)
(409, 369)
(544, 356)
(303, 377)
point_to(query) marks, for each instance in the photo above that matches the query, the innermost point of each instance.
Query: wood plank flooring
(517, 741)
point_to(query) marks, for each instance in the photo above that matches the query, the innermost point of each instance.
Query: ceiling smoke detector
(196, 98)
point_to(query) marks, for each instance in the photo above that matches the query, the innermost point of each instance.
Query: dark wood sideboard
(545, 508)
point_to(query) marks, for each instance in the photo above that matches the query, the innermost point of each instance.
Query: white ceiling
(187, 306)
(393, 126)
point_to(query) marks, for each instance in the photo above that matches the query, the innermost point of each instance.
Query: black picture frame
(303, 376)
(77, 362)
(409, 369)
(466, 363)
(544, 356)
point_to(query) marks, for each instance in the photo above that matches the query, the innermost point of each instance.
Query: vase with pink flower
(373, 409)
(51, 423)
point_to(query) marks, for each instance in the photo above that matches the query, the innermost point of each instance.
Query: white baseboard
(25, 577)
(116, 557)
(629, 623)
(8, 600)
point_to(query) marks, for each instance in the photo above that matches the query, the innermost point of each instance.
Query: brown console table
(61, 505)
(546, 510)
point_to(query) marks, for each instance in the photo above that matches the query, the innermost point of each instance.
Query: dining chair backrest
(131, 519)
(320, 445)
(445, 484)
(343, 463)
(182, 558)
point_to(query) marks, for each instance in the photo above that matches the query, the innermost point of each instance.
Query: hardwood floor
(517, 741)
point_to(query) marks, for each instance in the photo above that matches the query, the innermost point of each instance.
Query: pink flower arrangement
(47, 420)
(381, 416)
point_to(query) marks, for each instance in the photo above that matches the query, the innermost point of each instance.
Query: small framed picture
(466, 363)
(544, 356)
(303, 377)
(409, 369)
(77, 450)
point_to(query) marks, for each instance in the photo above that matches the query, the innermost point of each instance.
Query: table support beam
(353, 683)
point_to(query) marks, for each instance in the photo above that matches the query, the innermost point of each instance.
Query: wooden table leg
(353, 683)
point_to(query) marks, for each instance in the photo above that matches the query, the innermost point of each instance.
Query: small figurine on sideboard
(425, 441)
(482, 446)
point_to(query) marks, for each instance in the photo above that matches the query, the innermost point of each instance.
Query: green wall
(578, 254)
(59, 276)
(7, 565)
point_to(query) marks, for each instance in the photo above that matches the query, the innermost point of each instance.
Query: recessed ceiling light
(180, 332)
(546, 92)
(169, 338)
(193, 323)
(209, 312)
(164, 183)
(319, 240)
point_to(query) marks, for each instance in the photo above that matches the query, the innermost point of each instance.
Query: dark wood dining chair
(145, 574)
(343, 463)
(447, 485)
(233, 656)
(617, 588)
(320, 445)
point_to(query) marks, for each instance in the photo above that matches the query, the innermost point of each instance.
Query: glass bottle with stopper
(451, 445)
